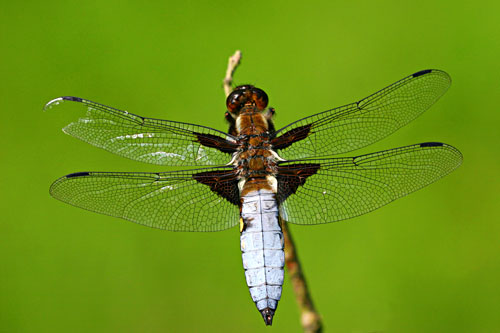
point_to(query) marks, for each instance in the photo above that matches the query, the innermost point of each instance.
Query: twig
(309, 317)
(232, 64)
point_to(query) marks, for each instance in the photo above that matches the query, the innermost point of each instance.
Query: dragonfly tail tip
(267, 314)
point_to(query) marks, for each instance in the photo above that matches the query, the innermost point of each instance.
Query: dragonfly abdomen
(262, 250)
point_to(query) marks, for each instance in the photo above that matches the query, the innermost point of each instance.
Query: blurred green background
(429, 262)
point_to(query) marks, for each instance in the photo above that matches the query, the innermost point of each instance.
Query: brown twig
(232, 64)
(309, 317)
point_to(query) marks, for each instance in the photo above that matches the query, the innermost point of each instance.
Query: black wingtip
(78, 174)
(72, 98)
(267, 314)
(58, 100)
(420, 73)
(431, 144)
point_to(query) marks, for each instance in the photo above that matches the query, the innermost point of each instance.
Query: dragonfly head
(246, 95)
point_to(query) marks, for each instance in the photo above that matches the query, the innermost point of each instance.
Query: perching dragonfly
(258, 174)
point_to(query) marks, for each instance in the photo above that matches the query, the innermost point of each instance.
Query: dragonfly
(257, 176)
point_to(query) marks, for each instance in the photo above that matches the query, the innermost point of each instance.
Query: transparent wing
(148, 140)
(171, 200)
(359, 124)
(343, 188)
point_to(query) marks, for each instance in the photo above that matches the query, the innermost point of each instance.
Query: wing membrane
(359, 124)
(173, 201)
(148, 140)
(343, 188)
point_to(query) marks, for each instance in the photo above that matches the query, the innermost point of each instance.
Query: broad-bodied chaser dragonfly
(259, 175)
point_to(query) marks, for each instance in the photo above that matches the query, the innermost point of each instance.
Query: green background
(429, 262)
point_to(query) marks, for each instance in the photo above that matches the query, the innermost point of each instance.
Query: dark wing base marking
(290, 177)
(294, 135)
(214, 141)
(221, 182)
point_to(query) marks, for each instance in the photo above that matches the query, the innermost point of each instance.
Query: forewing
(341, 188)
(148, 140)
(176, 201)
(362, 123)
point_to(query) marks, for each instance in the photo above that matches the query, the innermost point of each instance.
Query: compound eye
(260, 98)
(246, 94)
(234, 100)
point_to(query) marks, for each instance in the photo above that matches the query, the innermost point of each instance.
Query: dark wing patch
(222, 182)
(294, 135)
(290, 177)
(214, 141)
